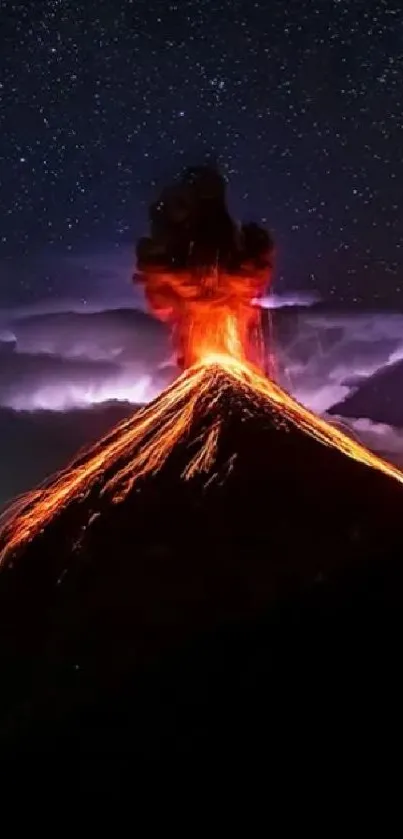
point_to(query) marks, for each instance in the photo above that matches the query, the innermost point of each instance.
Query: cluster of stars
(301, 102)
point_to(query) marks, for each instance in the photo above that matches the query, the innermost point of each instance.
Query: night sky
(301, 102)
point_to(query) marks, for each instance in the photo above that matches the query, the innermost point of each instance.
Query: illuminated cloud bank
(86, 356)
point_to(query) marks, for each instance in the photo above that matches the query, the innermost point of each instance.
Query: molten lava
(210, 313)
(201, 271)
(202, 274)
(145, 442)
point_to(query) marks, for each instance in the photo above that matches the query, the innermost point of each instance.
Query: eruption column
(201, 275)
(201, 272)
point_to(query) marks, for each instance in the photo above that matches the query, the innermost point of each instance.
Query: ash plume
(201, 271)
(176, 523)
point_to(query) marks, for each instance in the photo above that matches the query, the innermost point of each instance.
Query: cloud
(322, 357)
(61, 371)
(33, 382)
(386, 440)
(126, 335)
(60, 360)
(63, 360)
(282, 301)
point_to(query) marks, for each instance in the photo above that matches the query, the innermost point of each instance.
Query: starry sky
(301, 102)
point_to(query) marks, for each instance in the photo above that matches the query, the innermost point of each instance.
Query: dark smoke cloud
(200, 270)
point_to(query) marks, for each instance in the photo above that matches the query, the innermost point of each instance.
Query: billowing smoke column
(202, 272)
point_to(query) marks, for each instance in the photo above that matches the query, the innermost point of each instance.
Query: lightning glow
(145, 442)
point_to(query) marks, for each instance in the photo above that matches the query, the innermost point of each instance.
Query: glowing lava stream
(148, 438)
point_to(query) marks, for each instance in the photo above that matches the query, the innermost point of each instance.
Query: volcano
(218, 546)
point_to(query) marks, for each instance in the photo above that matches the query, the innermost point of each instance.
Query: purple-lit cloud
(67, 359)
(67, 376)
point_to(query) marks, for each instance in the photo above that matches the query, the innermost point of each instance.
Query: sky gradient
(300, 102)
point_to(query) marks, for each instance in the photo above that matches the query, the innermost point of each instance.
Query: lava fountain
(202, 275)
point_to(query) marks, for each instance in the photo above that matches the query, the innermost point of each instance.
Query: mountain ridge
(108, 588)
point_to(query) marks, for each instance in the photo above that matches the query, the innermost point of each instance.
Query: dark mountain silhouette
(211, 617)
(377, 397)
(34, 445)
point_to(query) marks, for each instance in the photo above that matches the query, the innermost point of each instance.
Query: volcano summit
(212, 507)
(224, 548)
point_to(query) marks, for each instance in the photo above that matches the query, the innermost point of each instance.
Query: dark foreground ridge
(208, 615)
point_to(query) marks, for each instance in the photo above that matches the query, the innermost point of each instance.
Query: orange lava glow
(144, 442)
(209, 313)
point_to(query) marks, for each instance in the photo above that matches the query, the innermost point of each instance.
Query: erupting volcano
(204, 275)
(220, 497)
(192, 413)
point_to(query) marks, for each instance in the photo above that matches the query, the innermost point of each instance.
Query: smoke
(201, 272)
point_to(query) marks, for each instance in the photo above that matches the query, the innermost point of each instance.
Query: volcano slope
(218, 557)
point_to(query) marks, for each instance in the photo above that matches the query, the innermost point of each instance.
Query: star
(301, 108)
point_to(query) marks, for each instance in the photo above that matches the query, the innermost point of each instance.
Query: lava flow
(146, 441)
(211, 305)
